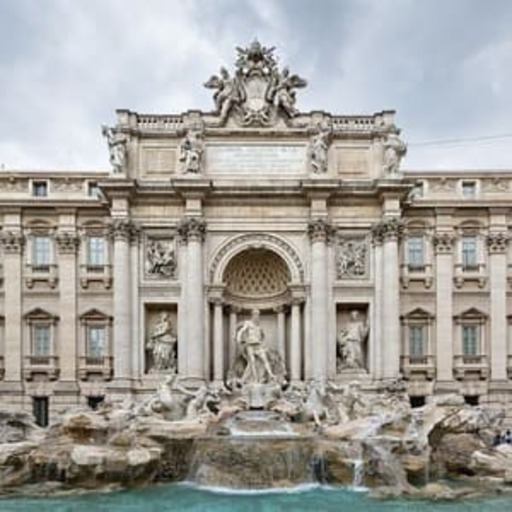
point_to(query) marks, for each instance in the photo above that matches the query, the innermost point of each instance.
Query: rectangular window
(96, 250)
(41, 251)
(96, 341)
(41, 341)
(416, 340)
(415, 252)
(468, 189)
(469, 252)
(40, 410)
(470, 340)
(93, 189)
(40, 189)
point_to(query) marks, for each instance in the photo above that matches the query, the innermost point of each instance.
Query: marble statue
(282, 93)
(250, 338)
(350, 342)
(394, 150)
(162, 344)
(160, 259)
(319, 149)
(227, 94)
(191, 151)
(117, 148)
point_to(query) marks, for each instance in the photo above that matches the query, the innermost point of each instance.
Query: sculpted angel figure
(116, 146)
(282, 91)
(228, 91)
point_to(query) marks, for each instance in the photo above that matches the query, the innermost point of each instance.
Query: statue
(117, 148)
(394, 150)
(250, 339)
(319, 148)
(162, 344)
(282, 92)
(160, 259)
(350, 342)
(228, 92)
(191, 151)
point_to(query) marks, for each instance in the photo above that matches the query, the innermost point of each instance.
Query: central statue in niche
(257, 368)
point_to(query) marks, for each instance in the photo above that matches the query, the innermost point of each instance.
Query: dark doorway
(40, 410)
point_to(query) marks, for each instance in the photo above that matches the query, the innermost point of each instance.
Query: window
(468, 189)
(415, 252)
(417, 337)
(40, 410)
(40, 188)
(93, 189)
(41, 340)
(41, 251)
(470, 340)
(469, 252)
(418, 190)
(96, 251)
(96, 338)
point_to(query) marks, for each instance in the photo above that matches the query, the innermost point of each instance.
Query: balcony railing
(94, 366)
(95, 273)
(418, 367)
(422, 273)
(41, 365)
(465, 272)
(47, 273)
(471, 367)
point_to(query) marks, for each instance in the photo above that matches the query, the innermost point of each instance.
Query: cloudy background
(445, 66)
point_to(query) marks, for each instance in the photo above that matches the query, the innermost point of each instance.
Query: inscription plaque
(256, 158)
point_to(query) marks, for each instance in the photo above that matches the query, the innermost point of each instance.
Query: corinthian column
(192, 230)
(318, 343)
(121, 231)
(375, 339)
(390, 229)
(443, 245)
(497, 244)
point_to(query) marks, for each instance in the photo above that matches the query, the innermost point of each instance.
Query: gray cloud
(445, 66)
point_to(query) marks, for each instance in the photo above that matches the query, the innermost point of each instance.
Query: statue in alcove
(162, 345)
(350, 342)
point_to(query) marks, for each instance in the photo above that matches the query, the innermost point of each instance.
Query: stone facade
(206, 216)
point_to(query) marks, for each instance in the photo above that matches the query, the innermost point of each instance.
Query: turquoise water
(177, 498)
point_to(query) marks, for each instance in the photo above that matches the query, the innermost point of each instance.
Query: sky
(445, 66)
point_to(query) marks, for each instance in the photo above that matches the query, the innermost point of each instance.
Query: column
(443, 246)
(13, 242)
(376, 343)
(233, 320)
(218, 340)
(318, 230)
(138, 343)
(390, 299)
(121, 231)
(497, 245)
(281, 332)
(67, 246)
(192, 230)
(295, 341)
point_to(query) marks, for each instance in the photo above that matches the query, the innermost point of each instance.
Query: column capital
(497, 242)
(122, 229)
(192, 228)
(67, 242)
(443, 242)
(390, 229)
(12, 241)
(319, 230)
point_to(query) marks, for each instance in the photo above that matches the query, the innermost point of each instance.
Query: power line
(461, 140)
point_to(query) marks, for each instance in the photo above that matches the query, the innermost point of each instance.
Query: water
(180, 497)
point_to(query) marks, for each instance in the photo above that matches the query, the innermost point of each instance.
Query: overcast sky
(445, 66)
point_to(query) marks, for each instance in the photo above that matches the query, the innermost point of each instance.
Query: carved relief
(67, 243)
(351, 258)
(257, 91)
(443, 185)
(496, 185)
(443, 243)
(67, 185)
(161, 258)
(14, 185)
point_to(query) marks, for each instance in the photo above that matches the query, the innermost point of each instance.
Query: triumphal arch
(302, 223)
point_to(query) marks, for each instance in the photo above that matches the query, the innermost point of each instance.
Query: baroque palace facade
(359, 270)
